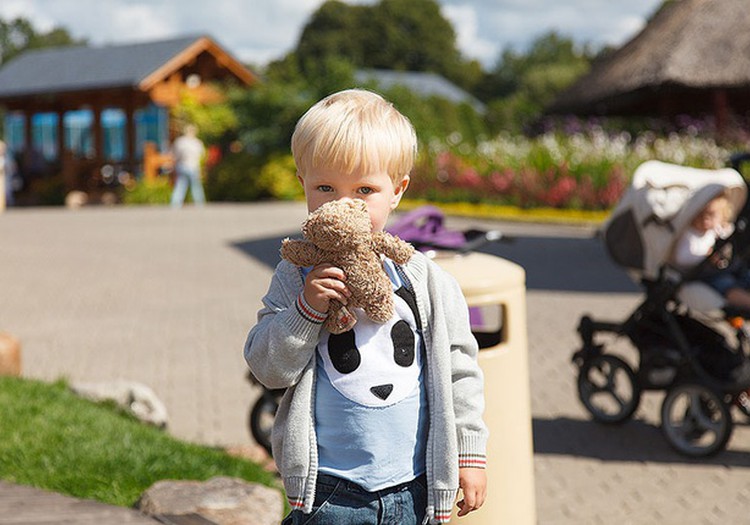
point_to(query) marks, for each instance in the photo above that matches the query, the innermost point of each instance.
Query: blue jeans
(725, 280)
(338, 501)
(187, 177)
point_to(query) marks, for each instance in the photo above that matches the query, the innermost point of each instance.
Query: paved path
(166, 297)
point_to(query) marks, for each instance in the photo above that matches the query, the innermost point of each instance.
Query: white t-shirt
(187, 152)
(693, 247)
(371, 400)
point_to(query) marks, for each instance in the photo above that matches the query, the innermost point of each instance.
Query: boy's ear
(398, 191)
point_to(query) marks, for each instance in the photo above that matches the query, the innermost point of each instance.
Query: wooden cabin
(84, 116)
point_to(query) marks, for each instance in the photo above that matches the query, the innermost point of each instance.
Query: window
(115, 134)
(15, 129)
(44, 134)
(151, 125)
(78, 132)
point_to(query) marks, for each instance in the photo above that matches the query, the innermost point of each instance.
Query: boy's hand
(324, 283)
(473, 483)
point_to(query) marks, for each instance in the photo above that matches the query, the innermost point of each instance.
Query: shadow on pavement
(632, 441)
(265, 250)
(551, 263)
(564, 264)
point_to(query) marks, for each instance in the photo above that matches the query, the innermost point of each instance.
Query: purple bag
(424, 228)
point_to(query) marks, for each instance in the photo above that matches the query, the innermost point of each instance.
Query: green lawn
(52, 439)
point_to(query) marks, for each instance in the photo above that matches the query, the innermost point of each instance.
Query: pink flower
(469, 178)
(560, 192)
(502, 182)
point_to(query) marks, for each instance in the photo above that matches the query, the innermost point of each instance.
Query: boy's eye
(324, 188)
(365, 191)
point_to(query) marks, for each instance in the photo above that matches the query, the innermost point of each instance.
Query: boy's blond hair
(355, 130)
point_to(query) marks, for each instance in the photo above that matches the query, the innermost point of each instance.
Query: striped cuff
(472, 460)
(472, 450)
(308, 312)
(444, 505)
(295, 490)
(296, 503)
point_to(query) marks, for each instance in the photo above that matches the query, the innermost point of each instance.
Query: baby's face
(377, 189)
(711, 217)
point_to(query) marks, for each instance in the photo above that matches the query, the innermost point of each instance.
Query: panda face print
(375, 365)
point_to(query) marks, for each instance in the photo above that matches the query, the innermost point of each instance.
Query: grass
(52, 439)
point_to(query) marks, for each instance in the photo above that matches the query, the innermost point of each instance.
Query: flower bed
(588, 169)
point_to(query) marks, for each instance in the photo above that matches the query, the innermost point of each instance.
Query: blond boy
(383, 424)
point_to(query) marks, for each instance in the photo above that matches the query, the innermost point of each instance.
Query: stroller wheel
(695, 420)
(607, 388)
(262, 417)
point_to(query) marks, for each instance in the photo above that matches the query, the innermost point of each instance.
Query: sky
(258, 31)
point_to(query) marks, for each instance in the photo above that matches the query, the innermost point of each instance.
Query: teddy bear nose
(382, 391)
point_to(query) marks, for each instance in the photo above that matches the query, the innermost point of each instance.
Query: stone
(10, 355)
(108, 198)
(76, 199)
(222, 500)
(136, 398)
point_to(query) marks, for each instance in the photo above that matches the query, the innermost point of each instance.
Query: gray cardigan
(280, 351)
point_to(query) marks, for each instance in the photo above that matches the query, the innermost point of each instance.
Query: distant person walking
(187, 151)
(7, 176)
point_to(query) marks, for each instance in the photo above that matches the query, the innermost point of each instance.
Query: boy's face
(711, 217)
(377, 189)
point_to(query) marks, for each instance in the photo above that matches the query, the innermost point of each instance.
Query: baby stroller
(688, 341)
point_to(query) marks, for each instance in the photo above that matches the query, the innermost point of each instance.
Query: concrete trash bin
(495, 290)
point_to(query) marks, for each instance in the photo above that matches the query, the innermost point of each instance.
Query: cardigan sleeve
(468, 381)
(283, 341)
(451, 329)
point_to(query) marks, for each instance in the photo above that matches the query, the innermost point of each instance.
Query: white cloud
(625, 28)
(464, 21)
(139, 22)
(262, 30)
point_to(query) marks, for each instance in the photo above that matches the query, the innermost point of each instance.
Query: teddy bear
(339, 233)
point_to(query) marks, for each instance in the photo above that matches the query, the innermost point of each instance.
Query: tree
(412, 36)
(407, 35)
(18, 35)
(522, 84)
(332, 32)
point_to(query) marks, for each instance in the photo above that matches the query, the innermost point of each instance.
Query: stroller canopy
(661, 202)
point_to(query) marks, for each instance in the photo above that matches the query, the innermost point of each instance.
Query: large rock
(136, 398)
(221, 500)
(10, 355)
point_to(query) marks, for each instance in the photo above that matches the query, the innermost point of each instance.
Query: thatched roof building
(693, 57)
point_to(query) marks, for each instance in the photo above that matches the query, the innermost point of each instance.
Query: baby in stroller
(695, 254)
(680, 331)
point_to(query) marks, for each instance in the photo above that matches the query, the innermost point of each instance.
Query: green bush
(148, 191)
(278, 178)
(242, 177)
(235, 179)
(49, 190)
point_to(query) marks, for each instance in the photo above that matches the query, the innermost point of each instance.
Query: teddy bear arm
(300, 253)
(392, 247)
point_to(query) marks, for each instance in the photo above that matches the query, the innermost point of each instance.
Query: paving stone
(166, 297)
